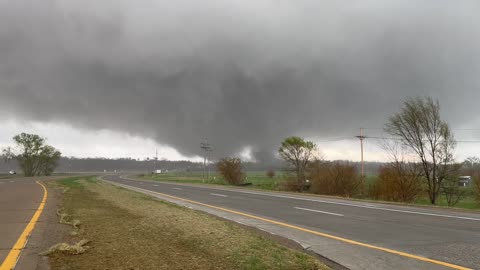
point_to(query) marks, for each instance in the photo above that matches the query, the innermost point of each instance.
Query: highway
(358, 235)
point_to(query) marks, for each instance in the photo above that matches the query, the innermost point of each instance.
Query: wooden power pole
(206, 147)
(362, 137)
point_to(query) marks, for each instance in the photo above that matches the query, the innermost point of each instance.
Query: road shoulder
(48, 231)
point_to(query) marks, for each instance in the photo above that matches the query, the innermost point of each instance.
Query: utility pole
(206, 147)
(208, 163)
(362, 137)
(155, 162)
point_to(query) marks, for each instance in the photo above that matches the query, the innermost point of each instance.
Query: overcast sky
(119, 78)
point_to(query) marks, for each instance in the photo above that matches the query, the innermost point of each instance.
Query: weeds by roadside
(75, 249)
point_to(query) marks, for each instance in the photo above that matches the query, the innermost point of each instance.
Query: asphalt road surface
(448, 237)
(20, 199)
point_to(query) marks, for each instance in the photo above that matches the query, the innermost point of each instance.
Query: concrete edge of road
(303, 236)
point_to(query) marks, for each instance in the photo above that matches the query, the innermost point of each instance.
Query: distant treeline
(71, 164)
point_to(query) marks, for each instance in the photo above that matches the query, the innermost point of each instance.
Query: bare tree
(334, 178)
(8, 154)
(419, 126)
(298, 153)
(401, 178)
(471, 165)
(231, 170)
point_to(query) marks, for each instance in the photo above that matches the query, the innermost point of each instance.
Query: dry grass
(133, 231)
(68, 220)
(75, 249)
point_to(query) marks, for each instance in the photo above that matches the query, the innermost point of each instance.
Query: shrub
(450, 186)
(452, 191)
(476, 186)
(270, 173)
(290, 183)
(399, 182)
(471, 167)
(231, 170)
(373, 190)
(334, 178)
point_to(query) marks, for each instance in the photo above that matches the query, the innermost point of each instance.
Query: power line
(399, 139)
(459, 129)
(335, 140)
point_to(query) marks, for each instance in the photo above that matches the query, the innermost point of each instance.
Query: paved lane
(19, 200)
(444, 235)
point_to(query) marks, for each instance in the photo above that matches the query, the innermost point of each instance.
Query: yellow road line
(14, 254)
(345, 240)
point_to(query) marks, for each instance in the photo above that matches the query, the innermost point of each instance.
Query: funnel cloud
(240, 73)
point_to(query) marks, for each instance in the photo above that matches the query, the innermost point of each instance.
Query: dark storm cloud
(242, 73)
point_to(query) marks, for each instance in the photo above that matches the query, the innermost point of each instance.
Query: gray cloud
(242, 73)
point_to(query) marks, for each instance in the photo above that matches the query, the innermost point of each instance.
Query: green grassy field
(260, 180)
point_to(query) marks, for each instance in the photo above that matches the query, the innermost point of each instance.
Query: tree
(298, 153)
(8, 154)
(48, 160)
(419, 126)
(35, 157)
(396, 182)
(471, 165)
(231, 170)
(400, 179)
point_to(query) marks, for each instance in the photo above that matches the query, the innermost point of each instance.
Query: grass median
(130, 230)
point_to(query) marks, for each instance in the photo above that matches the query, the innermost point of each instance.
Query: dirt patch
(129, 230)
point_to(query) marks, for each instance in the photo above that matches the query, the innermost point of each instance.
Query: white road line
(340, 203)
(318, 211)
(220, 195)
(360, 206)
(156, 185)
(177, 188)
